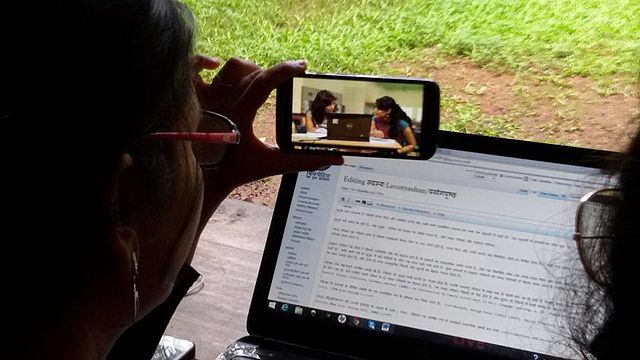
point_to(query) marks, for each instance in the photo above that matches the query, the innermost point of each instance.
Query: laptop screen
(350, 127)
(469, 249)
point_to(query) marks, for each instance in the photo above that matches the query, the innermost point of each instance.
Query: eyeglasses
(594, 218)
(211, 140)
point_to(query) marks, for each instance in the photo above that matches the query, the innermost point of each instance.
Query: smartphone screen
(358, 115)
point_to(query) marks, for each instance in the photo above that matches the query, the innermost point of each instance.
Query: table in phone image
(372, 144)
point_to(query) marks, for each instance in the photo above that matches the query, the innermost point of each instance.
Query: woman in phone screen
(391, 122)
(324, 103)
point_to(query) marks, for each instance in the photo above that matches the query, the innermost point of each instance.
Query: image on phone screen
(361, 116)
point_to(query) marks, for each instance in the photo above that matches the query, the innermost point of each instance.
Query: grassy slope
(598, 39)
(588, 37)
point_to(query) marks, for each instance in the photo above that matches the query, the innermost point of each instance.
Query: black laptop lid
(467, 254)
(352, 127)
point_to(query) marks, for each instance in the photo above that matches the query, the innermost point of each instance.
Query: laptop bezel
(367, 344)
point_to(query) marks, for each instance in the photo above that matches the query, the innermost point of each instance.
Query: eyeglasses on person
(594, 219)
(211, 140)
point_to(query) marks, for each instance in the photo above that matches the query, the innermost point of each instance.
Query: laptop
(351, 127)
(464, 256)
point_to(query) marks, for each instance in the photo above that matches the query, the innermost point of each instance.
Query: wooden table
(228, 255)
(372, 144)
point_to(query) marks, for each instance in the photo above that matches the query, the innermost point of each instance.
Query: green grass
(544, 41)
(463, 116)
(593, 38)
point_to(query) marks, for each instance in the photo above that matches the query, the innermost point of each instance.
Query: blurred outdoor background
(561, 71)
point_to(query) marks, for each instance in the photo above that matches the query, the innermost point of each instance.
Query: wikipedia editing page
(472, 249)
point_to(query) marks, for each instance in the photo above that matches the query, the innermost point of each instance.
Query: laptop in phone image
(350, 127)
(463, 256)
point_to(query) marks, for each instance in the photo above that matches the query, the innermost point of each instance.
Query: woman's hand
(239, 89)
(308, 122)
(374, 131)
(377, 133)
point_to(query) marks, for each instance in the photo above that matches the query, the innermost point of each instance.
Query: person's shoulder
(404, 123)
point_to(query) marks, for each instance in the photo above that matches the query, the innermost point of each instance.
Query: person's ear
(121, 193)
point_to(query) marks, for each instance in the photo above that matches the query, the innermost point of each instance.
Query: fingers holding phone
(237, 92)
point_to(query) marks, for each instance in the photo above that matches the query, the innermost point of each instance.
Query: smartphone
(358, 115)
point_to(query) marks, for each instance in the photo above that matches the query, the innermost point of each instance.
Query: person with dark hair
(324, 103)
(391, 122)
(115, 155)
(607, 228)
